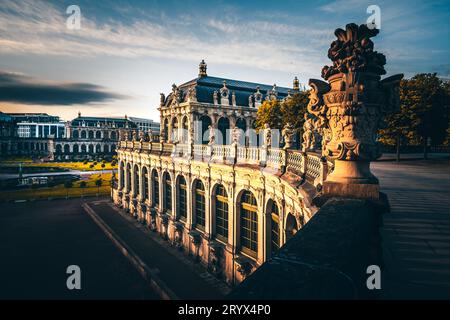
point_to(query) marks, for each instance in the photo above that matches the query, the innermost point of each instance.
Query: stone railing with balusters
(311, 166)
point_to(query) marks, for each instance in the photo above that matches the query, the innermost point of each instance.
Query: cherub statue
(212, 135)
(288, 133)
(308, 134)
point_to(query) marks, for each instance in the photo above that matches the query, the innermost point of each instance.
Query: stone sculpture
(350, 107)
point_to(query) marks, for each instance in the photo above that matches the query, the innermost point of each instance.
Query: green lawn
(65, 165)
(60, 191)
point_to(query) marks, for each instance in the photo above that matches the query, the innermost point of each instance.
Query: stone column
(349, 109)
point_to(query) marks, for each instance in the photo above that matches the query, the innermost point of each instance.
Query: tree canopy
(424, 112)
(278, 113)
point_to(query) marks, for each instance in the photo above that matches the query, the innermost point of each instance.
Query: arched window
(91, 134)
(121, 174)
(76, 149)
(249, 224)
(166, 130)
(58, 149)
(128, 178)
(75, 134)
(98, 148)
(106, 148)
(113, 135)
(98, 135)
(224, 131)
(174, 133)
(221, 208)
(83, 148)
(83, 134)
(136, 180)
(182, 198)
(155, 187)
(66, 149)
(205, 122)
(185, 129)
(199, 205)
(291, 226)
(91, 148)
(145, 183)
(240, 123)
(274, 227)
(167, 183)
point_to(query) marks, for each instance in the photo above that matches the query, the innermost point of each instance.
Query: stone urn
(349, 109)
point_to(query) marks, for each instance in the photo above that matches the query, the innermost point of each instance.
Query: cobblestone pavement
(39, 240)
(416, 234)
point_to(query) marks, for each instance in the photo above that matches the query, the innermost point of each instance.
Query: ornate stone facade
(231, 218)
(208, 191)
(223, 104)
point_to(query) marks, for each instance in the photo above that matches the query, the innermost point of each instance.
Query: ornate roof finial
(202, 69)
(296, 84)
(126, 117)
(79, 114)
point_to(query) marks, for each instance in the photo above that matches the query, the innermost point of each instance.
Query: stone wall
(326, 259)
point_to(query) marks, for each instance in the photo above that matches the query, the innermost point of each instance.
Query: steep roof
(206, 85)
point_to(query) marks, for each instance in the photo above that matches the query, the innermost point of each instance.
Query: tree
(278, 113)
(68, 184)
(293, 111)
(424, 113)
(428, 99)
(83, 185)
(396, 127)
(98, 183)
(269, 112)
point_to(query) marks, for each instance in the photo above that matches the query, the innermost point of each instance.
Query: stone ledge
(326, 259)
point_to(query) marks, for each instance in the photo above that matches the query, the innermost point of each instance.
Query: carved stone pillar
(349, 109)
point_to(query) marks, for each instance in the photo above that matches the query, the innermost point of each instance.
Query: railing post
(233, 152)
(285, 162)
(323, 169)
(263, 156)
(304, 163)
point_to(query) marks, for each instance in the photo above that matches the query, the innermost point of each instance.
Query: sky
(127, 52)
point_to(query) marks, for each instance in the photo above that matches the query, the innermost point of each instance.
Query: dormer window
(224, 94)
(258, 97)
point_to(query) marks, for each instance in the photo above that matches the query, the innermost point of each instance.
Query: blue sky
(127, 52)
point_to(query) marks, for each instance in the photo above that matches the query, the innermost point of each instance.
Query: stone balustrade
(311, 166)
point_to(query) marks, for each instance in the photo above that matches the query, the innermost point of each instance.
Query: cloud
(23, 89)
(36, 27)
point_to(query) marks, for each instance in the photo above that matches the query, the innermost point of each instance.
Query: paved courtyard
(39, 240)
(416, 234)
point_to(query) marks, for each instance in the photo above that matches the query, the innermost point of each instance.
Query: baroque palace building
(207, 186)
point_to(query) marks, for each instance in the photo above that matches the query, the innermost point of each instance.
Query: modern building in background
(38, 125)
(145, 125)
(46, 136)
